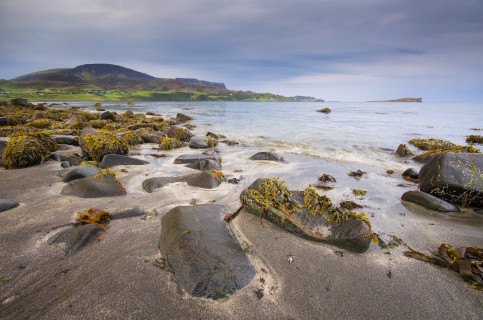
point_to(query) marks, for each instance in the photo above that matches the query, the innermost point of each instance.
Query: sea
(353, 136)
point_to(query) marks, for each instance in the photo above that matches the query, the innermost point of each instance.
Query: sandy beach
(124, 276)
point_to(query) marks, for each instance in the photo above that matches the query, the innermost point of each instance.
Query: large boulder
(454, 177)
(112, 160)
(206, 179)
(100, 185)
(267, 156)
(317, 220)
(428, 201)
(6, 204)
(204, 256)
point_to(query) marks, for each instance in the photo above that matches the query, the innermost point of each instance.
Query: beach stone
(353, 235)
(19, 102)
(205, 180)
(79, 173)
(411, 173)
(199, 142)
(3, 121)
(428, 201)
(65, 139)
(74, 160)
(182, 118)
(65, 164)
(107, 115)
(403, 151)
(213, 135)
(193, 158)
(454, 177)
(204, 256)
(267, 156)
(94, 187)
(229, 142)
(6, 204)
(206, 164)
(112, 160)
(76, 238)
(152, 138)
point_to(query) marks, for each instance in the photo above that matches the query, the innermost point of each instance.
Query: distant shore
(401, 100)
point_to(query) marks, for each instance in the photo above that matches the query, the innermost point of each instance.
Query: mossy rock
(28, 149)
(97, 145)
(295, 213)
(171, 143)
(41, 123)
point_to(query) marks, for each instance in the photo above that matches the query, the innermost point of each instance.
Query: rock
(411, 173)
(112, 160)
(95, 187)
(353, 234)
(204, 256)
(230, 142)
(75, 238)
(403, 151)
(213, 135)
(199, 142)
(84, 133)
(73, 160)
(428, 201)
(19, 102)
(152, 138)
(107, 116)
(193, 158)
(3, 121)
(454, 177)
(6, 204)
(38, 115)
(206, 179)
(79, 173)
(3, 145)
(97, 144)
(28, 149)
(267, 156)
(181, 118)
(204, 165)
(65, 164)
(65, 139)
(324, 110)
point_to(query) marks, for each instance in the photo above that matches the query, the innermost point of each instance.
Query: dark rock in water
(268, 156)
(213, 135)
(403, 151)
(79, 173)
(3, 121)
(112, 160)
(352, 234)
(206, 179)
(204, 256)
(6, 204)
(229, 142)
(107, 116)
(324, 110)
(65, 139)
(454, 177)
(199, 142)
(181, 118)
(193, 158)
(428, 201)
(152, 138)
(204, 165)
(19, 102)
(95, 187)
(411, 173)
(74, 160)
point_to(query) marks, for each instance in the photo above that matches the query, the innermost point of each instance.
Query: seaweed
(105, 143)
(212, 142)
(473, 138)
(25, 149)
(171, 143)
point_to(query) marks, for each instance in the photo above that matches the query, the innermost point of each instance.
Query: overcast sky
(348, 50)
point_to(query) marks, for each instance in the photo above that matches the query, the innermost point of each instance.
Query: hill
(401, 100)
(113, 82)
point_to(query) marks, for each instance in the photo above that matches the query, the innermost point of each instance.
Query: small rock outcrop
(403, 151)
(204, 256)
(112, 160)
(193, 158)
(267, 156)
(428, 201)
(99, 185)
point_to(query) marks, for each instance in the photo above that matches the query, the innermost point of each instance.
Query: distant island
(108, 82)
(401, 100)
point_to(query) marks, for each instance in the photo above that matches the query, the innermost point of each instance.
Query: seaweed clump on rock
(28, 149)
(436, 146)
(98, 146)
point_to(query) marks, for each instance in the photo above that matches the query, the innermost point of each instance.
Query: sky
(336, 50)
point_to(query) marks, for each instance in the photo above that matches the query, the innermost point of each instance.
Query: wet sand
(123, 276)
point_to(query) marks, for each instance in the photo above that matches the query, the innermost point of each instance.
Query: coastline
(121, 277)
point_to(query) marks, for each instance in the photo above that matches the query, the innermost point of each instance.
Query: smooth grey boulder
(6, 204)
(411, 173)
(193, 158)
(65, 139)
(204, 256)
(95, 187)
(206, 179)
(454, 177)
(112, 160)
(206, 164)
(213, 135)
(267, 156)
(152, 138)
(79, 173)
(428, 201)
(73, 160)
(199, 142)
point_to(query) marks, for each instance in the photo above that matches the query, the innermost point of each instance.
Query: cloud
(256, 44)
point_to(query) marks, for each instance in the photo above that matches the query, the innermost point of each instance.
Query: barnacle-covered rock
(307, 214)
(28, 149)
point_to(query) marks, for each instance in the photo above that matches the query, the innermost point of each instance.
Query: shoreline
(120, 276)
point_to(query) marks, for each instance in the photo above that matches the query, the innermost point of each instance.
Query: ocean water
(354, 136)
